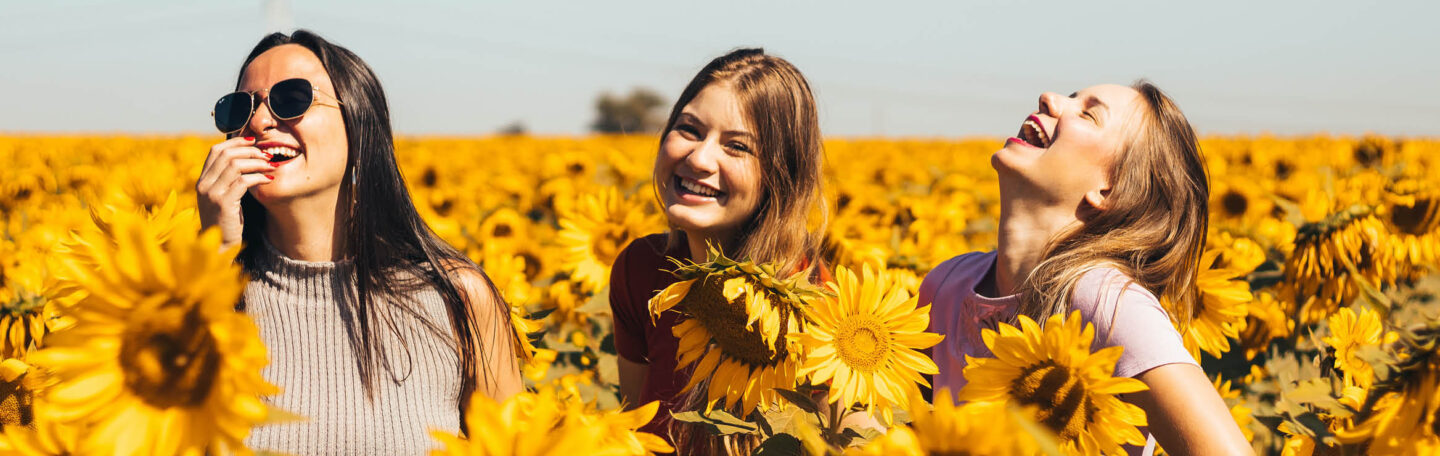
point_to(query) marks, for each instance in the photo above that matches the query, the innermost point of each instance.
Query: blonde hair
(780, 109)
(1153, 228)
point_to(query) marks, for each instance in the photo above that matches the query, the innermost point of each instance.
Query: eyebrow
(685, 116)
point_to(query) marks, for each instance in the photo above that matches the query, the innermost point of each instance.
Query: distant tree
(516, 128)
(639, 112)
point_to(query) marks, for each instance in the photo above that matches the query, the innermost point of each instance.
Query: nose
(262, 119)
(1052, 104)
(703, 158)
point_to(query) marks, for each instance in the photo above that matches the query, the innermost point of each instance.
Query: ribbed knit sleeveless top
(296, 305)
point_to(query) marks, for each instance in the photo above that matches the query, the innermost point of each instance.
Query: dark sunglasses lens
(232, 112)
(290, 98)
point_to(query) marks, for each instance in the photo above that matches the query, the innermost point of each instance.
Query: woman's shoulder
(1109, 284)
(964, 270)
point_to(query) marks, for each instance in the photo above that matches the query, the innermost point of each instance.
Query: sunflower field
(1319, 321)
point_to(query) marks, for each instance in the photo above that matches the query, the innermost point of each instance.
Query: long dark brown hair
(1153, 228)
(393, 250)
(780, 110)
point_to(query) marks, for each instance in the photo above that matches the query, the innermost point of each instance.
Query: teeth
(1035, 134)
(698, 189)
(281, 151)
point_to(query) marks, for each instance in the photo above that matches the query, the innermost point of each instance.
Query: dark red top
(639, 273)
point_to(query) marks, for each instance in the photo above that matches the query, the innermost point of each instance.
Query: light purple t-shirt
(1124, 314)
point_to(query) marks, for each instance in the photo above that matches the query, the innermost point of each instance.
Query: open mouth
(1033, 133)
(280, 154)
(685, 186)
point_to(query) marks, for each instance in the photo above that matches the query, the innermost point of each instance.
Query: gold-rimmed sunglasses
(288, 99)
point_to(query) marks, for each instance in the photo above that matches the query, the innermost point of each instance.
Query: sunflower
(1333, 258)
(1404, 421)
(1351, 332)
(1221, 310)
(23, 312)
(1266, 321)
(549, 422)
(1053, 370)
(157, 360)
(989, 428)
(865, 340)
(599, 226)
(1411, 211)
(739, 314)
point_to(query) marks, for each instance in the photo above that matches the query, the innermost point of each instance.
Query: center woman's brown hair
(781, 112)
(1155, 224)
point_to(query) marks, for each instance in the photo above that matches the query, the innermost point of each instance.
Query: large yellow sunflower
(1052, 369)
(594, 232)
(737, 317)
(1220, 313)
(157, 361)
(864, 340)
(1411, 211)
(550, 422)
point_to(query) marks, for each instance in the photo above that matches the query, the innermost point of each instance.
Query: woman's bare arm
(1185, 413)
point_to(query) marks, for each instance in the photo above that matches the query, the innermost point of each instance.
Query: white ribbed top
(295, 305)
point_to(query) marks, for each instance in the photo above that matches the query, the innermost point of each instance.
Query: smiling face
(312, 150)
(1065, 149)
(707, 172)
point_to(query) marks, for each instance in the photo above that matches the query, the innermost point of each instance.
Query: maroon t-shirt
(639, 273)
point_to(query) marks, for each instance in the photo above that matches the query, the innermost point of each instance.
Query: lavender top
(1124, 314)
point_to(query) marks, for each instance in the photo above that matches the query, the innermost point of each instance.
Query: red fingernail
(268, 155)
(267, 176)
(249, 138)
(273, 165)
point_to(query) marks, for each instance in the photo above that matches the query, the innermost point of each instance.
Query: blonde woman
(739, 167)
(1103, 199)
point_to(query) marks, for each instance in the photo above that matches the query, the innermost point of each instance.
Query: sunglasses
(288, 99)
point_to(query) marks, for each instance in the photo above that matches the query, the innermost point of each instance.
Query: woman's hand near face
(232, 168)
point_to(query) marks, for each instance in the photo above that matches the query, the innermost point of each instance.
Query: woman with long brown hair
(1103, 210)
(377, 330)
(739, 167)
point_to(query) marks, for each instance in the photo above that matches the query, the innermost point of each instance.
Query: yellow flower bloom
(549, 423)
(158, 360)
(864, 341)
(600, 225)
(734, 333)
(1054, 371)
(1349, 332)
(1221, 311)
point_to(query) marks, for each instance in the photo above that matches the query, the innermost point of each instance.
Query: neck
(1025, 230)
(699, 249)
(307, 229)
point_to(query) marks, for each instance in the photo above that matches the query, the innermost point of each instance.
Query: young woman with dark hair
(377, 330)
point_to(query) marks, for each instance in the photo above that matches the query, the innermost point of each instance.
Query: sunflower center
(169, 358)
(1235, 203)
(725, 320)
(863, 343)
(611, 241)
(1416, 219)
(501, 230)
(1064, 405)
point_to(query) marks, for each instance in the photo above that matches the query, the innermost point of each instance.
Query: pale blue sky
(877, 67)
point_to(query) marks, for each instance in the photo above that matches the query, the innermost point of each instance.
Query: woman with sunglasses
(377, 330)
